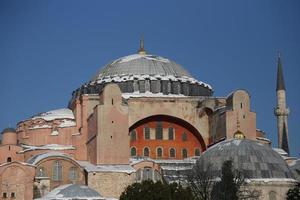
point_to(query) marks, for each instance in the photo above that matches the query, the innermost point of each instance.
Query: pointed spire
(280, 80)
(142, 49)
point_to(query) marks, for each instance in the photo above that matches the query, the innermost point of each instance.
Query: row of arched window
(158, 134)
(57, 172)
(159, 152)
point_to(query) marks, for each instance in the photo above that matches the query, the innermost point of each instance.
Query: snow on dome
(141, 64)
(63, 113)
(72, 191)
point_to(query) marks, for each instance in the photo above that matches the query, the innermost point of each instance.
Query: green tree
(148, 190)
(227, 188)
(294, 193)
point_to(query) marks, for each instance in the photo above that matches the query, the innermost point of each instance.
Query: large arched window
(147, 133)
(171, 133)
(57, 171)
(133, 135)
(133, 151)
(172, 153)
(41, 172)
(159, 131)
(146, 151)
(73, 175)
(184, 153)
(159, 152)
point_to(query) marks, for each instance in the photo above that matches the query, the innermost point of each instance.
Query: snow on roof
(72, 191)
(267, 180)
(136, 160)
(280, 151)
(56, 147)
(37, 158)
(123, 78)
(63, 113)
(150, 94)
(144, 56)
(89, 167)
(263, 139)
(18, 162)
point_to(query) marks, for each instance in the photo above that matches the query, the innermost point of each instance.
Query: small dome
(253, 159)
(72, 191)
(8, 130)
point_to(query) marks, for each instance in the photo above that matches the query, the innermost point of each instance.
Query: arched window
(159, 131)
(133, 151)
(171, 133)
(146, 151)
(133, 135)
(147, 133)
(197, 152)
(9, 159)
(57, 171)
(159, 152)
(172, 153)
(184, 136)
(184, 153)
(73, 176)
(272, 195)
(41, 172)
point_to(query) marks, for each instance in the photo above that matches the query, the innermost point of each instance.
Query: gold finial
(142, 49)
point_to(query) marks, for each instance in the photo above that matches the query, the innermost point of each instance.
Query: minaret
(281, 111)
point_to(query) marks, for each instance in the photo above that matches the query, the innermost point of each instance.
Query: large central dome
(142, 73)
(142, 64)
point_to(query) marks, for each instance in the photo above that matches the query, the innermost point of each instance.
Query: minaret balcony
(281, 111)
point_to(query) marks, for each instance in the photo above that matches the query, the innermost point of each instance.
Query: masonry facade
(141, 117)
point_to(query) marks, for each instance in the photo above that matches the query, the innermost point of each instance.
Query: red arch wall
(194, 139)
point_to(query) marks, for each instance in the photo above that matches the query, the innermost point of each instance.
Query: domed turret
(9, 136)
(254, 160)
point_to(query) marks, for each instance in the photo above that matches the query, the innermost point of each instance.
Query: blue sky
(49, 48)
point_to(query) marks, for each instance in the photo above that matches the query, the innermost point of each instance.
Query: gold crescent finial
(142, 48)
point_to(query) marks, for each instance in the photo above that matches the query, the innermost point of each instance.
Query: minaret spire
(280, 80)
(142, 48)
(281, 110)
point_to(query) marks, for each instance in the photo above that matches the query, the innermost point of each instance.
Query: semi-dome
(253, 159)
(144, 73)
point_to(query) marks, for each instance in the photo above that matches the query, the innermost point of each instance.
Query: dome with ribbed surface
(144, 74)
(253, 159)
(142, 64)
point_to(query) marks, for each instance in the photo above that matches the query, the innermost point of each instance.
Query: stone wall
(110, 184)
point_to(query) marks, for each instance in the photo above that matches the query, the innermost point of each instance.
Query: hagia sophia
(143, 117)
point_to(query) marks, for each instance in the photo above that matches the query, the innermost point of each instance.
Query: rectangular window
(147, 133)
(4, 195)
(12, 195)
(171, 133)
(159, 131)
